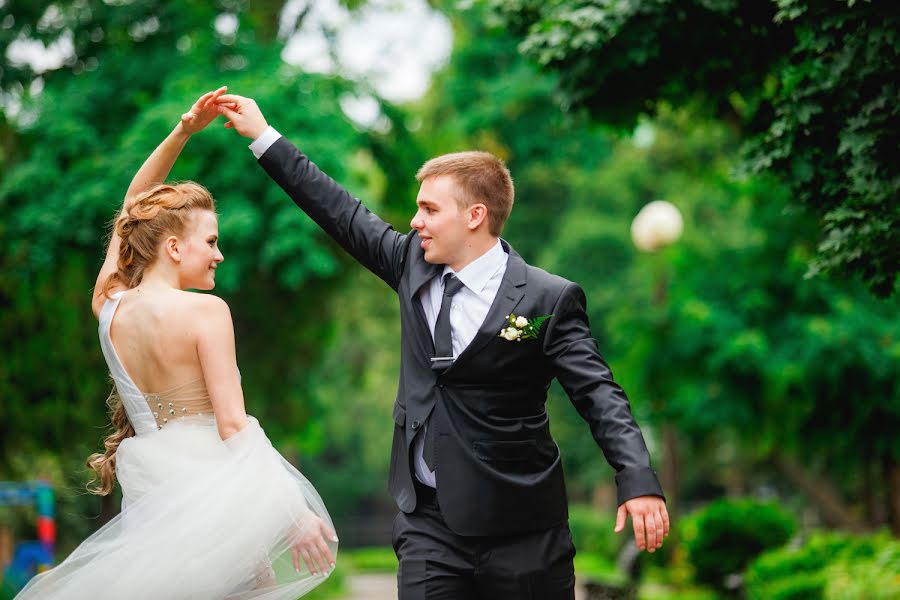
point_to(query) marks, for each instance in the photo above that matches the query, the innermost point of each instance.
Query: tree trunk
(892, 476)
(670, 468)
(873, 503)
(821, 492)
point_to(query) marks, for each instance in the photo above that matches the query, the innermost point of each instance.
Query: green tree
(812, 85)
(762, 371)
(79, 139)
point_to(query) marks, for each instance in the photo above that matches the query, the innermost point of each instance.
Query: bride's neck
(158, 279)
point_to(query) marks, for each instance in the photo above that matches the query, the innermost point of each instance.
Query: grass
(333, 587)
(376, 559)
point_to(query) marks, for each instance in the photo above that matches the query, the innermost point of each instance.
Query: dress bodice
(186, 400)
(149, 412)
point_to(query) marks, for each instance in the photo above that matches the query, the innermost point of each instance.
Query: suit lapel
(420, 274)
(510, 293)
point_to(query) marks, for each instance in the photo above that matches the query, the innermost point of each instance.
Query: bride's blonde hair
(162, 210)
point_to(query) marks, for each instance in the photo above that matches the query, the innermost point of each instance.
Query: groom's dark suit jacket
(498, 469)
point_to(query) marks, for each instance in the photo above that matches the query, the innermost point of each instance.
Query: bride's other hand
(203, 112)
(312, 546)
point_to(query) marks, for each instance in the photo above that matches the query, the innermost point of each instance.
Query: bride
(210, 510)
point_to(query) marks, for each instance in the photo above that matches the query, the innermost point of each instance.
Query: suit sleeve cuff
(634, 482)
(264, 142)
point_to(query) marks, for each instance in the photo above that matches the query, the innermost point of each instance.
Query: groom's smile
(438, 220)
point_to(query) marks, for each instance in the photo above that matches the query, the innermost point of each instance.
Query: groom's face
(441, 225)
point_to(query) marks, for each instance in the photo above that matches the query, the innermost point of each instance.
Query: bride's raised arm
(155, 170)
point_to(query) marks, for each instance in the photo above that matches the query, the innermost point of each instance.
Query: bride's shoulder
(196, 306)
(202, 301)
(207, 319)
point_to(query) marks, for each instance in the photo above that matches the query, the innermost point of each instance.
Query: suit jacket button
(415, 424)
(441, 385)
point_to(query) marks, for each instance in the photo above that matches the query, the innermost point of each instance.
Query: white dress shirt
(481, 279)
(264, 141)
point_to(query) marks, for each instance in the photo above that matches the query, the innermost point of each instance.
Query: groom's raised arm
(363, 234)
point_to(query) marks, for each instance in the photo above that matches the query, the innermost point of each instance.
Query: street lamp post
(656, 226)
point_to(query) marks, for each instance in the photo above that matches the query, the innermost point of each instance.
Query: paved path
(382, 586)
(372, 586)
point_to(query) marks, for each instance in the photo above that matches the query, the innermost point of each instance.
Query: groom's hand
(243, 115)
(649, 518)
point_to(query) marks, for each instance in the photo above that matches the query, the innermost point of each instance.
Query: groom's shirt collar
(477, 273)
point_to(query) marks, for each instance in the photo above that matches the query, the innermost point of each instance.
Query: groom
(474, 470)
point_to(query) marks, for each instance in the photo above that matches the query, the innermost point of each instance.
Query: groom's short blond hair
(480, 177)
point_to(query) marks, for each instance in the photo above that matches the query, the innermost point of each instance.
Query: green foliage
(6, 591)
(597, 546)
(873, 578)
(661, 592)
(592, 531)
(720, 334)
(834, 133)
(726, 535)
(828, 566)
(78, 143)
(813, 85)
(640, 50)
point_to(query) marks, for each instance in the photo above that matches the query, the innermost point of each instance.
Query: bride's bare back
(165, 338)
(156, 333)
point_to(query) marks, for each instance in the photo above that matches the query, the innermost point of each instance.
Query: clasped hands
(242, 113)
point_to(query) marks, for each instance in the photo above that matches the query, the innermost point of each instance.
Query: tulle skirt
(201, 519)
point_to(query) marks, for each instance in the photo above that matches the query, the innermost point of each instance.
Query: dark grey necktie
(443, 342)
(443, 352)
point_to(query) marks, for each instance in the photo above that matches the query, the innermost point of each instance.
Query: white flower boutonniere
(522, 328)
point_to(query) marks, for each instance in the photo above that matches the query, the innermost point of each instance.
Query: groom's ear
(477, 215)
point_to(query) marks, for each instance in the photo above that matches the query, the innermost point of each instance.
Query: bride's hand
(203, 112)
(312, 546)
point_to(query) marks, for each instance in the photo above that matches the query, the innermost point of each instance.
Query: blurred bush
(373, 559)
(829, 566)
(722, 538)
(592, 531)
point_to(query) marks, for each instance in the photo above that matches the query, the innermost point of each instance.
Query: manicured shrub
(874, 578)
(828, 566)
(725, 536)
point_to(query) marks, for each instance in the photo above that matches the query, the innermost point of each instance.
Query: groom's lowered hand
(649, 518)
(243, 115)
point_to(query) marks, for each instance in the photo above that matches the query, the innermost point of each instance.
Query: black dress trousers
(437, 564)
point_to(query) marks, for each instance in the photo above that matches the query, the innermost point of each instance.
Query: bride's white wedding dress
(201, 518)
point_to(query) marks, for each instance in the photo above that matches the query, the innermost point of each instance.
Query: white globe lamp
(657, 225)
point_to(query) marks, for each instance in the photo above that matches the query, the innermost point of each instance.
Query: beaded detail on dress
(186, 400)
